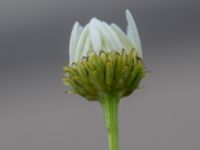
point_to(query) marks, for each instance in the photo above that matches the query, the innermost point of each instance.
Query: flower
(104, 59)
(105, 64)
(98, 35)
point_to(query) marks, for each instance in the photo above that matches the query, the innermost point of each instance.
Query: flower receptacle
(105, 72)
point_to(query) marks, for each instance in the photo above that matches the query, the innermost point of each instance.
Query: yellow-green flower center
(106, 72)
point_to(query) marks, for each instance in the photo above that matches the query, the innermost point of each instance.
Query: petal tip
(94, 20)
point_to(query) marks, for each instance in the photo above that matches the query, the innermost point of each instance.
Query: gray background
(35, 114)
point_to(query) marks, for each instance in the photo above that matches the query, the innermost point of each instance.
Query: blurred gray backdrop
(35, 114)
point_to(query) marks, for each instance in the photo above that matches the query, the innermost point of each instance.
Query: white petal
(123, 37)
(80, 29)
(133, 34)
(73, 41)
(80, 44)
(112, 37)
(103, 36)
(87, 47)
(95, 35)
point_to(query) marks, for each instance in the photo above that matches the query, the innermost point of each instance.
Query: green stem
(110, 103)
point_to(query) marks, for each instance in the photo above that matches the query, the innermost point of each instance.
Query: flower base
(106, 72)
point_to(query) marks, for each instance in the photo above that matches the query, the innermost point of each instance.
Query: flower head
(102, 58)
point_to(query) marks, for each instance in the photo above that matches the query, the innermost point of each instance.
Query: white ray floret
(98, 35)
(95, 36)
(132, 33)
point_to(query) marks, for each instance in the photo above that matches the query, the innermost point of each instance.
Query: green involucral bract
(106, 72)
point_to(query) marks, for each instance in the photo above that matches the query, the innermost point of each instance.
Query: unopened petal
(123, 37)
(113, 38)
(87, 47)
(132, 32)
(105, 44)
(80, 44)
(73, 41)
(95, 35)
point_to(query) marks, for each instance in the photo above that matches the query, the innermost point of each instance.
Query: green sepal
(109, 73)
(134, 79)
